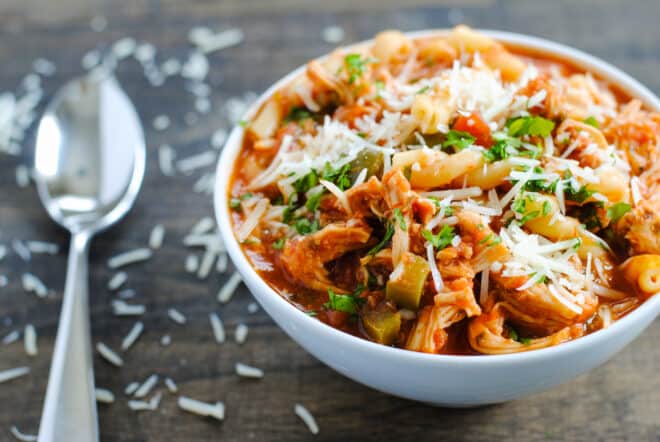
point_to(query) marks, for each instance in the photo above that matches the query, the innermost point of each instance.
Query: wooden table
(618, 401)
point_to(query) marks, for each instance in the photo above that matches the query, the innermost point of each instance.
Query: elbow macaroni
(431, 113)
(444, 170)
(643, 273)
(267, 120)
(490, 176)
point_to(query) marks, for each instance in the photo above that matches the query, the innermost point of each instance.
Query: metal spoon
(89, 164)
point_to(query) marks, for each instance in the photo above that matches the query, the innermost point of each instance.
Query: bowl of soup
(458, 217)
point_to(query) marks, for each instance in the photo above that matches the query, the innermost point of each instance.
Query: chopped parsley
(498, 152)
(423, 90)
(340, 177)
(306, 182)
(505, 145)
(449, 211)
(580, 195)
(578, 243)
(298, 113)
(314, 201)
(388, 235)
(588, 215)
(235, 203)
(355, 66)
(547, 207)
(540, 185)
(504, 137)
(349, 303)
(243, 123)
(617, 210)
(519, 204)
(398, 215)
(441, 239)
(380, 86)
(534, 126)
(513, 334)
(529, 216)
(304, 226)
(279, 244)
(287, 214)
(458, 140)
(311, 313)
(591, 121)
(491, 240)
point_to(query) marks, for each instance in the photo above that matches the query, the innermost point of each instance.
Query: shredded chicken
(368, 198)
(304, 257)
(320, 77)
(539, 309)
(641, 226)
(637, 133)
(429, 335)
(486, 334)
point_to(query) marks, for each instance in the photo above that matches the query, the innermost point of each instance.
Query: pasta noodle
(643, 273)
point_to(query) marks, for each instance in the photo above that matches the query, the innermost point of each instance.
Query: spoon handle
(69, 412)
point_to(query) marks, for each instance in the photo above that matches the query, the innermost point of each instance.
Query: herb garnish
(534, 126)
(389, 232)
(529, 216)
(337, 176)
(235, 203)
(306, 182)
(540, 185)
(349, 303)
(398, 215)
(355, 66)
(580, 195)
(547, 207)
(304, 226)
(591, 121)
(458, 140)
(498, 152)
(440, 240)
(513, 334)
(588, 215)
(491, 240)
(617, 210)
(298, 113)
(314, 201)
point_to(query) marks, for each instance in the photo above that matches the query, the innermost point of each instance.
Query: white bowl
(456, 381)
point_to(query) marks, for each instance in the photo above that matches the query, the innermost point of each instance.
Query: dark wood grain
(618, 401)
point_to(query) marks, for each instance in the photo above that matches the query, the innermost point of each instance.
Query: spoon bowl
(89, 157)
(89, 164)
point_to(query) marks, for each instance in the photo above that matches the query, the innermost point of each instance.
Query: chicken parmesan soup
(448, 194)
